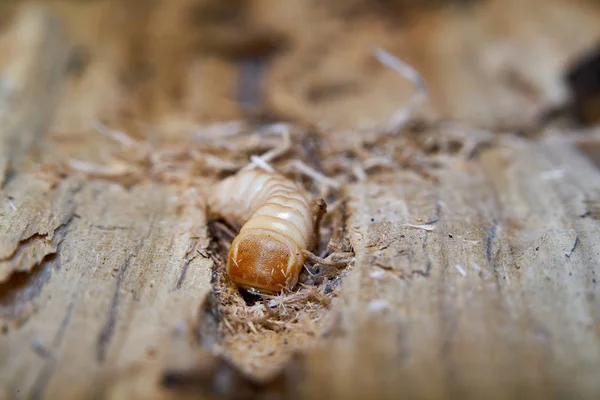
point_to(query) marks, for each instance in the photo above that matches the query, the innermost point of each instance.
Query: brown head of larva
(263, 261)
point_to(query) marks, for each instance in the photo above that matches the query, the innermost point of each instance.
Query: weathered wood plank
(493, 296)
(555, 253)
(35, 50)
(508, 307)
(34, 221)
(127, 274)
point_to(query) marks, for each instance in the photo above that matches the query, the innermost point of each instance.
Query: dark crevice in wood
(41, 382)
(108, 330)
(40, 350)
(426, 271)
(23, 287)
(184, 271)
(570, 253)
(491, 236)
(207, 332)
(191, 253)
(54, 261)
(448, 320)
(27, 242)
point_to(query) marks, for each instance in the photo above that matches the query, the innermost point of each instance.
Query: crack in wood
(39, 387)
(426, 272)
(491, 236)
(35, 248)
(110, 227)
(108, 330)
(423, 272)
(29, 241)
(437, 214)
(185, 265)
(41, 350)
(184, 271)
(43, 237)
(448, 323)
(568, 255)
(24, 286)
(106, 333)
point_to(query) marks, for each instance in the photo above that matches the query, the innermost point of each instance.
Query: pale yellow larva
(276, 224)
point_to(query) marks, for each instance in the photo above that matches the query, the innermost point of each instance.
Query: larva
(277, 226)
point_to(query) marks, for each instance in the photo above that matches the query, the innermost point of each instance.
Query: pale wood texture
(499, 301)
(476, 278)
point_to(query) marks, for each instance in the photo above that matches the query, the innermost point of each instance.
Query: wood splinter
(333, 260)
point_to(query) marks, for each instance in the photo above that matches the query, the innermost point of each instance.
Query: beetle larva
(276, 222)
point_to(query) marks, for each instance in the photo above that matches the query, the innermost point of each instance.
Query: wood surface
(476, 243)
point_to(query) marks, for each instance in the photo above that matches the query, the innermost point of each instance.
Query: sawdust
(260, 333)
(201, 155)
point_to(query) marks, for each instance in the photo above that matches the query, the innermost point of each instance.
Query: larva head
(264, 261)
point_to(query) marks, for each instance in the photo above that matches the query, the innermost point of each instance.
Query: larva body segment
(276, 221)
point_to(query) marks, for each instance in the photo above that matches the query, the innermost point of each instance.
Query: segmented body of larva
(277, 225)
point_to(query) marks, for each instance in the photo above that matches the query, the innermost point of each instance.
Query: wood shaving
(425, 227)
(405, 114)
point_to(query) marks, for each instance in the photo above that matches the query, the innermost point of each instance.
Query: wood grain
(476, 279)
(498, 301)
